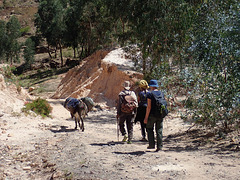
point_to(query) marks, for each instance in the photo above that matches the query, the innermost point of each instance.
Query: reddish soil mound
(96, 78)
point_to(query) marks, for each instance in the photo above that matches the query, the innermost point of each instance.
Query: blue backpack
(71, 103)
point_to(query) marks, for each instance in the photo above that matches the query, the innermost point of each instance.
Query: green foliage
(12, 45)
(68, 52)
(3, 39)
(76, 24)
(166, 23)
(9, 76)
(50, 22)
(8, 72)
(29, 52)
(9, 45)
(214, 100)
(25, 30)
(39, 106)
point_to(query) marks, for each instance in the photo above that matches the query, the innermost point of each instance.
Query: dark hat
(153, 83)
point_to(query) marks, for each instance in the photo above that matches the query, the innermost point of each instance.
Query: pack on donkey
(78, 109)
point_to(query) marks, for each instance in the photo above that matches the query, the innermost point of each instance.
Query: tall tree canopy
(12, 46)
(50, 22)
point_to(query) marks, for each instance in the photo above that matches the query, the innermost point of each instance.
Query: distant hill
(24, 10)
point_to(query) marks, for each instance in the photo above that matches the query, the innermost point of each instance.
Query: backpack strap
(123, 94)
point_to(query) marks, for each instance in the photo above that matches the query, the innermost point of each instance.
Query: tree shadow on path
(112, 143)
(199, 140)
(101, 118)
(134, 153)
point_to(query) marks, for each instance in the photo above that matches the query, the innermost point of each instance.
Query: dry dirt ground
(50, 148)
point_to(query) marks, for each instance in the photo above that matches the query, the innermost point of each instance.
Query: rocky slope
(99, 76)
(11, 98)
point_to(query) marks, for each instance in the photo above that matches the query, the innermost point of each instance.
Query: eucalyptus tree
(87, 25)
(96, 26)
(50, 22)
(3, 38)
(215, 49)
(72, 36)
(12, 45)
(119, 12)
(29, 52)
(159, 27)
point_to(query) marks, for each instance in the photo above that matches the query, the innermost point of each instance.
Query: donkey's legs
(82, 124)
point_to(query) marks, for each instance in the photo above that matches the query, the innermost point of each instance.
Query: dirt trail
(35, 148)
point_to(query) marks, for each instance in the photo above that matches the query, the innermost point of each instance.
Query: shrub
(39, 106)
(25, 30)
(8, 71)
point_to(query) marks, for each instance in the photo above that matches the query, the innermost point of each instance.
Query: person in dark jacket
(151, 120)
(142, 106)
(123, 116)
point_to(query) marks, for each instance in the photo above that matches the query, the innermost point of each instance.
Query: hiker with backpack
(156, 111)
(142, 106)
(126, 111)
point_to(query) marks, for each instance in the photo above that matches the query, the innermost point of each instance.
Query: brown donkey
(78, 110)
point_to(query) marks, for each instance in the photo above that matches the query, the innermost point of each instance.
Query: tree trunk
(49, 52)
(55, 52)
(81, 53)
(144, 56)
(60, 48)
(123, 25)
(74, 52)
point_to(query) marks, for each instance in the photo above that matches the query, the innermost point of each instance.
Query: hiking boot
(158, 149)
(144, 139)
(150, 147)
(129, 142)
(125, 138)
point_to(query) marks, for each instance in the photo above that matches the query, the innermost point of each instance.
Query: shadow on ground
(101, 118)
(134, 153)
(199, 139)
(62, 129)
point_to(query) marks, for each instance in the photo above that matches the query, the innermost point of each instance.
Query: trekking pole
(118, 129)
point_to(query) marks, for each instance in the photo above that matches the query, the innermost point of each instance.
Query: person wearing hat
(126, 116)
(142, 106)
(150, 120)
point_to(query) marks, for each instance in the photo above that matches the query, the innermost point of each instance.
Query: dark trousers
(143, 129)
(158, 123)
(129, 118)
(141, 111)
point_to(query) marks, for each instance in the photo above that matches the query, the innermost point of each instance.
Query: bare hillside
(100, 76)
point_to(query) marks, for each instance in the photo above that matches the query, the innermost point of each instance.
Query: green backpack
(89, 102)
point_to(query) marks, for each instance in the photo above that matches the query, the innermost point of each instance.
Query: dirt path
(35, 148)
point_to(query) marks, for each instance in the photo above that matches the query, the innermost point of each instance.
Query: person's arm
(149, 106)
